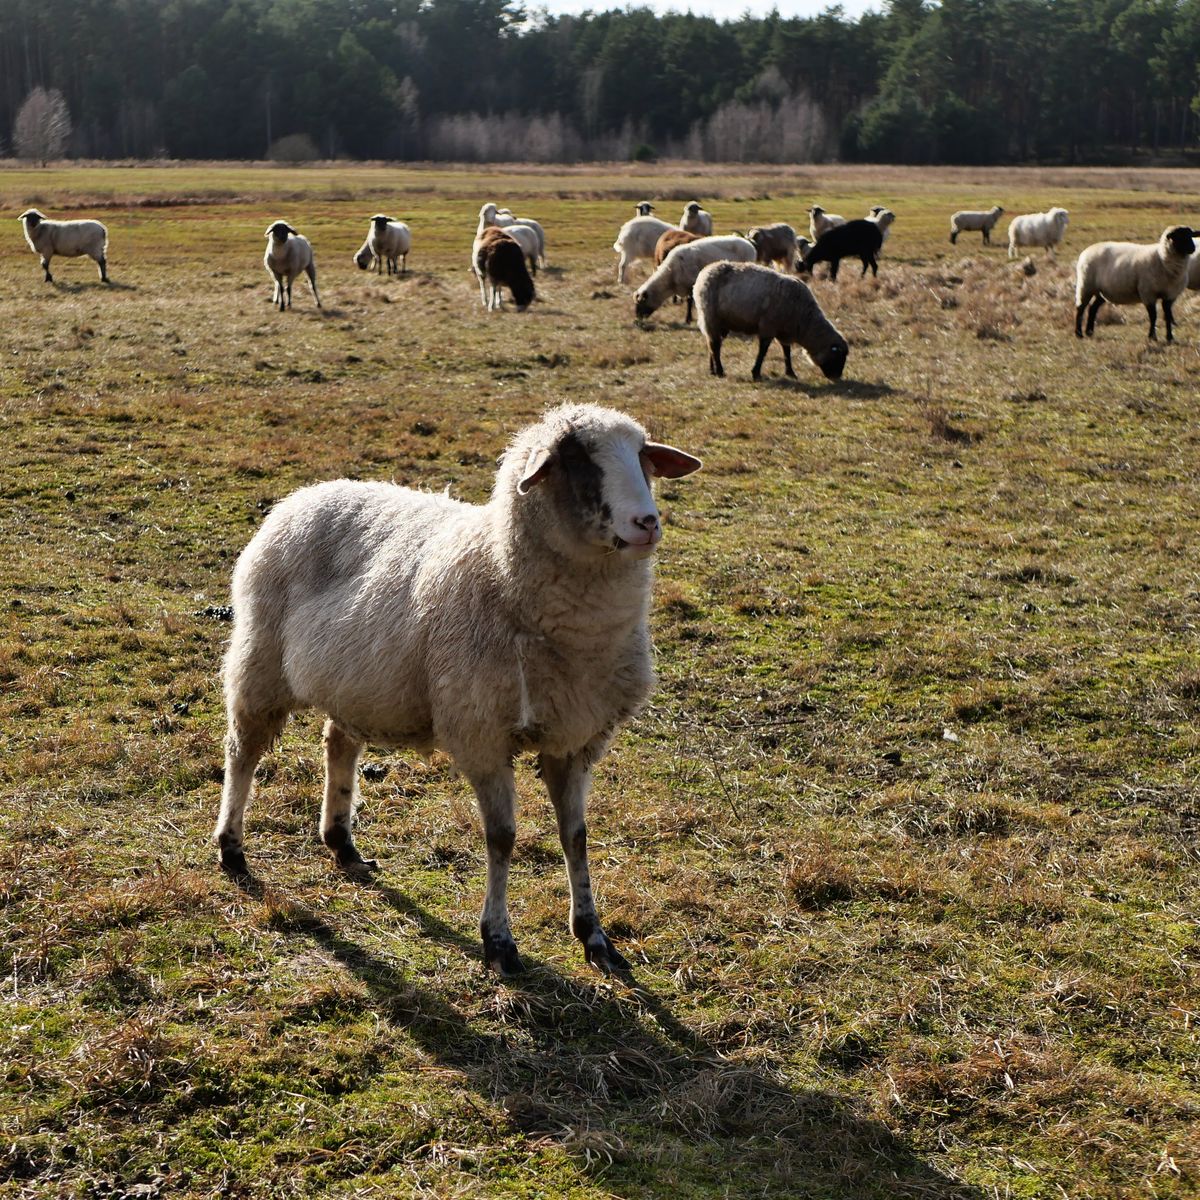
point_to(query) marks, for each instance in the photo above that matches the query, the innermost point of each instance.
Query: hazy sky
(721, 9)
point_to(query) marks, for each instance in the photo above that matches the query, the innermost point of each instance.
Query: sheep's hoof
(604, 956)
(233, 862)
(500, 955)
(349, 859)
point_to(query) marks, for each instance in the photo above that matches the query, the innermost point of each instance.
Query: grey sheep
(746, 298)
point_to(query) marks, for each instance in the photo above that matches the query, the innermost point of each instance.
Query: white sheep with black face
(1130, 273)
(68, 239)
(288, 255)
(414, 620)
(388, 241)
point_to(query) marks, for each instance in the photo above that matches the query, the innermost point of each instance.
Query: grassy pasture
(904, 850)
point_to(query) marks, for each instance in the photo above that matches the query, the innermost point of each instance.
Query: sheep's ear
(668, 463)
(536, 466)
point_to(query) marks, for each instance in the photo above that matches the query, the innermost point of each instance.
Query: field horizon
(903, 849)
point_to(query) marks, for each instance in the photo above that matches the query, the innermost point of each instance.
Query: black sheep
(856, 239)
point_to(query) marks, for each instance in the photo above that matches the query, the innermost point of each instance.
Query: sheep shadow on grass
(606, 1070)
(74, 288)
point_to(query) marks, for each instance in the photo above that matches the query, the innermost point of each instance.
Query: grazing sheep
(67, 239)
(414, 620)
(637, 239)
(1128, 273)
(747, 298)
(775, 245)
(387, 241)
(820, 222)
(643, 208)
(859, 238)
(677, 275)
(968, 220)
(498, 260)
(503, 218)
(696, 220)
(288, 254)
(1037, 229)
(883, 217)
(668, 242)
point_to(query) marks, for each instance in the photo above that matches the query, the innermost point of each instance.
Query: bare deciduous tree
(42, 126)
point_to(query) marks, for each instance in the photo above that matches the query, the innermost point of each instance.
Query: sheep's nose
(648, 522)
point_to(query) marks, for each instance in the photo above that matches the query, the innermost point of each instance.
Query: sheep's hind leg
(337, 810)
(496, 794)
(248, 739)
(1091, 321)
(568, 781)
(311, 272)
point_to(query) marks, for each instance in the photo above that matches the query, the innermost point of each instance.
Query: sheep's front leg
(756, 371)
(337, 811)
(496, 794)
(788, 369)
(46, 267)
(568, 782)
(102, 263)
(1169, 319)
(1152, 309)
(277, 294)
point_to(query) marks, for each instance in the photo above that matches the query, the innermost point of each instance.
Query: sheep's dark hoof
(500, 955)
(233, 862)
(604, 956)
(756, 376)
(349, 859)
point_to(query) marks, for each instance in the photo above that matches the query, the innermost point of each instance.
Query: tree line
(960, 81)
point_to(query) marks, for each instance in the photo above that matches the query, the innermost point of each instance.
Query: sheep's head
(280, 231)
(591, 468)
(380, 222)
(32, 217)
(816, 211)
(831, 358)
(643, 306)
(487, 214)
(645, 208)
(1181, 240)
(365, 256)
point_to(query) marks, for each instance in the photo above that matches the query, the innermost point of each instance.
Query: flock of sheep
(764, 297)
(413, 620)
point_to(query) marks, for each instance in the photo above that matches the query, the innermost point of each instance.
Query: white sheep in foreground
(775, 244)
(747, 298)
(502, 218)
(696, 220)
(414, 620)
(677, 274)
(968, 220)
(636, 239)
(1037, 229)
(67, 239)
(387, 241)
(288, 255)
(820, 222)
(1128, 273)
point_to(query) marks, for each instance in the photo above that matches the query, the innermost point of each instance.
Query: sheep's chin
(631, 550)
